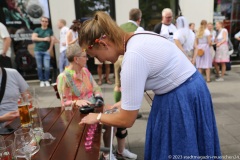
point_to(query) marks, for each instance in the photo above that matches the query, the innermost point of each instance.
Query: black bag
(3, 85)
(157, 28)
(239, 48)
(214, 47)
(228, 66)
(5, 61)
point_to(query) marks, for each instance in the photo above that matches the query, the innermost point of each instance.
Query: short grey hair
(165, 11)
(72, 51)
(63, 21)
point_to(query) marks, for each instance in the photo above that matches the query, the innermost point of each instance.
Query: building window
(228, 11)
(85, 9)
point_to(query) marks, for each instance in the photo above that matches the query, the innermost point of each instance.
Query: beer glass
(67, 100)
(25, 143)
(36, 119)
(23, 108)
(6, 150)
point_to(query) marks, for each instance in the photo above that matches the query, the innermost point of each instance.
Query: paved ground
(226, 99)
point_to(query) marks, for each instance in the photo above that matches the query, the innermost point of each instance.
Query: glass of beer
(23, 108)
(67, 100)
(7, 150)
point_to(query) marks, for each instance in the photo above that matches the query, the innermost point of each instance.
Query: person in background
(63, 61)
(222, 55)
(15, 86)
(44, 41)
(100, 71)
(166, 28)
(184, 37)
(203, 41)
(79, 81)
(213, 36)
(237, 37)
(181, 121)
(132, 25)
(5, 43)
(72, 34)
(192, 27)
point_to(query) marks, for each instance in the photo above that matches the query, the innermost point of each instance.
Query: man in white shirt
(5, 43)
(63, 61)
(237, 36)
(166, 28)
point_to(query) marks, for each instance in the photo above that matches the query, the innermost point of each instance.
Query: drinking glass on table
(67, 100)
(25, 143)
(36, 119)
(23, 108)
(6, 150)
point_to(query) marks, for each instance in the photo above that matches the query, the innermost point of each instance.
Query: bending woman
(181, 121)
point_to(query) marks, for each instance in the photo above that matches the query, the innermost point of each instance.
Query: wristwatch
(99, 117)
(35, 11)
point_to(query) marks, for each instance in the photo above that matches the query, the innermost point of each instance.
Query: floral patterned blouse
(83, 81)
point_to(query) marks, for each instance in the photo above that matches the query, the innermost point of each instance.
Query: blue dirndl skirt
(182, 123)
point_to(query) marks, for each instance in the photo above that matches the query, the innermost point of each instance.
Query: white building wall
(197, 10)
(122, 9)
(64, 9)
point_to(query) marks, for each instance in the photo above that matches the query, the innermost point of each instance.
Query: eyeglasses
(170, 17)
(85, 56)
(45, 21)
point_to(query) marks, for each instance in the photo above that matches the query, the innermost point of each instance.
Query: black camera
(86, 109)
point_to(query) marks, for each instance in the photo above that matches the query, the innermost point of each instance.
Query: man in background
(63, 61)
(5, 43)
(43, 38)
(132, 25)
(166, 28)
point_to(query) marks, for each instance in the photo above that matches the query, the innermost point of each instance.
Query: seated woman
(78, 80)
(15, 85)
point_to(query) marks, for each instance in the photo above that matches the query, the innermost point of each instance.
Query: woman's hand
(91, 118)
(9, 116)
(193, 61)
(81, 103)
(218, 44)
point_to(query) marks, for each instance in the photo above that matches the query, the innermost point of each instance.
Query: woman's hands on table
(81, 103)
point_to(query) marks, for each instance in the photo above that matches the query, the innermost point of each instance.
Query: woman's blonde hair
(72, 51)
(101, 24)
(201, 29)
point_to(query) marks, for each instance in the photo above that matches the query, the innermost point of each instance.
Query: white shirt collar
(133, 22)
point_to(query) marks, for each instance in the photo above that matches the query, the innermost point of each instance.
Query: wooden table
(70, 137)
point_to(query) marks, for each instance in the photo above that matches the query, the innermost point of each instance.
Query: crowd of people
(167, 61)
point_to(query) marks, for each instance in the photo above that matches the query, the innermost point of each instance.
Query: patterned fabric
(84, 82)
(182, 122)
(222, 54)
(204, 61)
